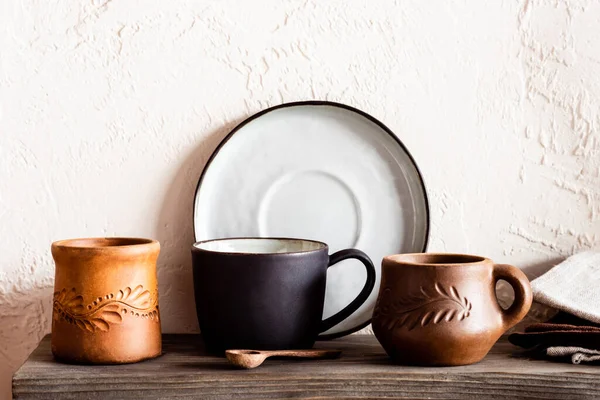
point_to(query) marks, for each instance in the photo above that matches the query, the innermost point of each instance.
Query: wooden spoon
(253, 358)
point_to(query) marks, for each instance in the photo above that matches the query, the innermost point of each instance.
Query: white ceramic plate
(322, 171)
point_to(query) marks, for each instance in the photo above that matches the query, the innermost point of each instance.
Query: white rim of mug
(323, 246)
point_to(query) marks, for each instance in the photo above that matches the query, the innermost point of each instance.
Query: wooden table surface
(363, 371)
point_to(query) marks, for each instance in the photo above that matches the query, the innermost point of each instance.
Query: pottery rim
(436, 259)
(321, 246)
(106, 244)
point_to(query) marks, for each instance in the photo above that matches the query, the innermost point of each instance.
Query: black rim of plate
(330, 104)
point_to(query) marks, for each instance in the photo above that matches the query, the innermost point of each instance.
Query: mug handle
(523, 297)
(364, 293)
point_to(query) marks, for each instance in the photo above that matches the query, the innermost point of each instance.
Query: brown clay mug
(441, 309)
(267, 293)
(105, 307)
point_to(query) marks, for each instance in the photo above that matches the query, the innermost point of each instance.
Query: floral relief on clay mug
(105, 305)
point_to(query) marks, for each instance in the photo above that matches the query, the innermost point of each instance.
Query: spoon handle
(304, 353)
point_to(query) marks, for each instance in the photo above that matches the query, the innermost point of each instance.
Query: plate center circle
(311, 205)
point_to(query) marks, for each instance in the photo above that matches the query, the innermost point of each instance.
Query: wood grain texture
(362, 371)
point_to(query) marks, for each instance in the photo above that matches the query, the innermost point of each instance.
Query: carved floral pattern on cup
(106, 310)
(420, 309)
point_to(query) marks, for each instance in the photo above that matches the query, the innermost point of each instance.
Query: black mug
(267, 293)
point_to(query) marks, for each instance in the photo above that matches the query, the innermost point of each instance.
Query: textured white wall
(109, 110)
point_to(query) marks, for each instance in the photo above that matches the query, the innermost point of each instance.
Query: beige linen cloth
(577, 354)
(573, 286)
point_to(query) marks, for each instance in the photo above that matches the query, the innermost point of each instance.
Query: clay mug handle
(364, 293)
(523, 297)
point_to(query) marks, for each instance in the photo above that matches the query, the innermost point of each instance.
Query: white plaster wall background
(109, 110)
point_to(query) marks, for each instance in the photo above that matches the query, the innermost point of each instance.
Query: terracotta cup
(441, 309)
(105, 301)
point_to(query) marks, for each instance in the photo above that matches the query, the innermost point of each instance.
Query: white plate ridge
(321, 171)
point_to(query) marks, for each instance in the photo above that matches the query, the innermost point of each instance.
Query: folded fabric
(544, 340)
(563, 330)
(564, 322)
(572, 286)
(576, 355)
(574, 333)
(547, 327)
